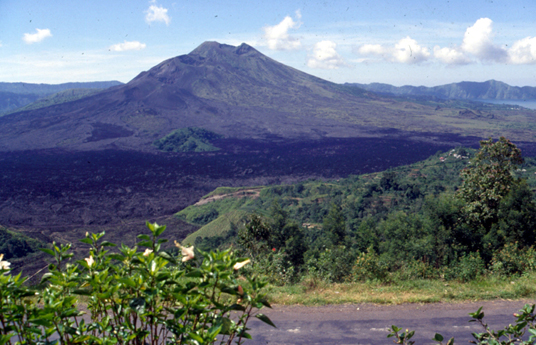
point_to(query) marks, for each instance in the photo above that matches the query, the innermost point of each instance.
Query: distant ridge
(488, 90)
(14, 96)
(48, 89)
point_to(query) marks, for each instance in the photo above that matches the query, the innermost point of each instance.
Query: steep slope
(236, 92)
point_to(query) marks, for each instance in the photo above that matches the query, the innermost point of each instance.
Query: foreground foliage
(523, 332)
(132, 297)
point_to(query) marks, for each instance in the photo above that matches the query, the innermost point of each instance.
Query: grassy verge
(311, 292)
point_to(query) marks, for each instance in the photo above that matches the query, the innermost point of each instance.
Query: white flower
(4, 265)
(90, 261)
(239, 265)
(147, 252)
(188, 253)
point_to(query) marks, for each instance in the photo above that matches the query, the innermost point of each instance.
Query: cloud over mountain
(407, 51)
(523, 51)
(477, 46)
(277, 36)
(325, 56)
(478, 41)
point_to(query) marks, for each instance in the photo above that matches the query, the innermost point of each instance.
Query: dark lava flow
(77, 189)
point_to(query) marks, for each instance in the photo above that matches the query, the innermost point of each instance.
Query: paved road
(368, 324)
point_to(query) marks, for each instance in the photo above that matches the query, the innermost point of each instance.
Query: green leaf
(108, 244)
(144, 237)
(145, 243)
(265, 319)
(48, 251)
(245, 334)
(195, 274)
(5, 338)
(236, 307)
(196, 338)
(160, 230)
(265, 302)
(438, 337)
(46, 276)
(86, 240)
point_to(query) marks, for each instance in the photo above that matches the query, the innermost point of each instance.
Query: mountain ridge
(488, 90)
(15, 96)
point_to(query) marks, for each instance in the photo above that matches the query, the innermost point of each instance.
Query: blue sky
(396, 42)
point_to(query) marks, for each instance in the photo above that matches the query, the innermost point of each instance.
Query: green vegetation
(15, 245)
(133, 297)
(190, 139)
(408, 223)
(510, 335)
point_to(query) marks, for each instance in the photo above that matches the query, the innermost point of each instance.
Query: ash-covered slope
(233, 91)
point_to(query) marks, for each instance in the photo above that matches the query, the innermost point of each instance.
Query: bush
(511, 260)
(275, 267)
(333, 265)
(368, 266)
(416, 269)
(133, 297)
(466, 268)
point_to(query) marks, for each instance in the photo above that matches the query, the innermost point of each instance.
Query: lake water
(530, 103)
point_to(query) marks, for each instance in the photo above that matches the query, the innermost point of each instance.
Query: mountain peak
(210, 49)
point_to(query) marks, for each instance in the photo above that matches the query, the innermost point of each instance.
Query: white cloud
(132, 45)
(325, 56)
(523, 51)
(277, 36)
(451, 56)
(407, 51)
(478, 40)
(157, 13)
(372, 49)
(37, 37)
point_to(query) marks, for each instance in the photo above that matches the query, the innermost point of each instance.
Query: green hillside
(401, 219)
(15, 245)
(400, 189)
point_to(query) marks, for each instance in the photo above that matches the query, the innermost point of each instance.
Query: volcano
(236, 92)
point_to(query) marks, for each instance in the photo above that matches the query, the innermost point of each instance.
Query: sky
(412, 42)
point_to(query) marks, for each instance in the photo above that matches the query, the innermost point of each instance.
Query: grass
(313, 293)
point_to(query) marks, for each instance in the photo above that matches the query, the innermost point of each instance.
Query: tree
(334, 225)
(488, 180)
(254, 236)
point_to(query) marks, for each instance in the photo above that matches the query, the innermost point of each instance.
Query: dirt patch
(243, 193)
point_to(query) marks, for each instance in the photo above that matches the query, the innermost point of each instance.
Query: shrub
(133, 297)
(416, 269)
(523, 332)
(368, 266)
(333, 265)
(512, 260)
(465, 268)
